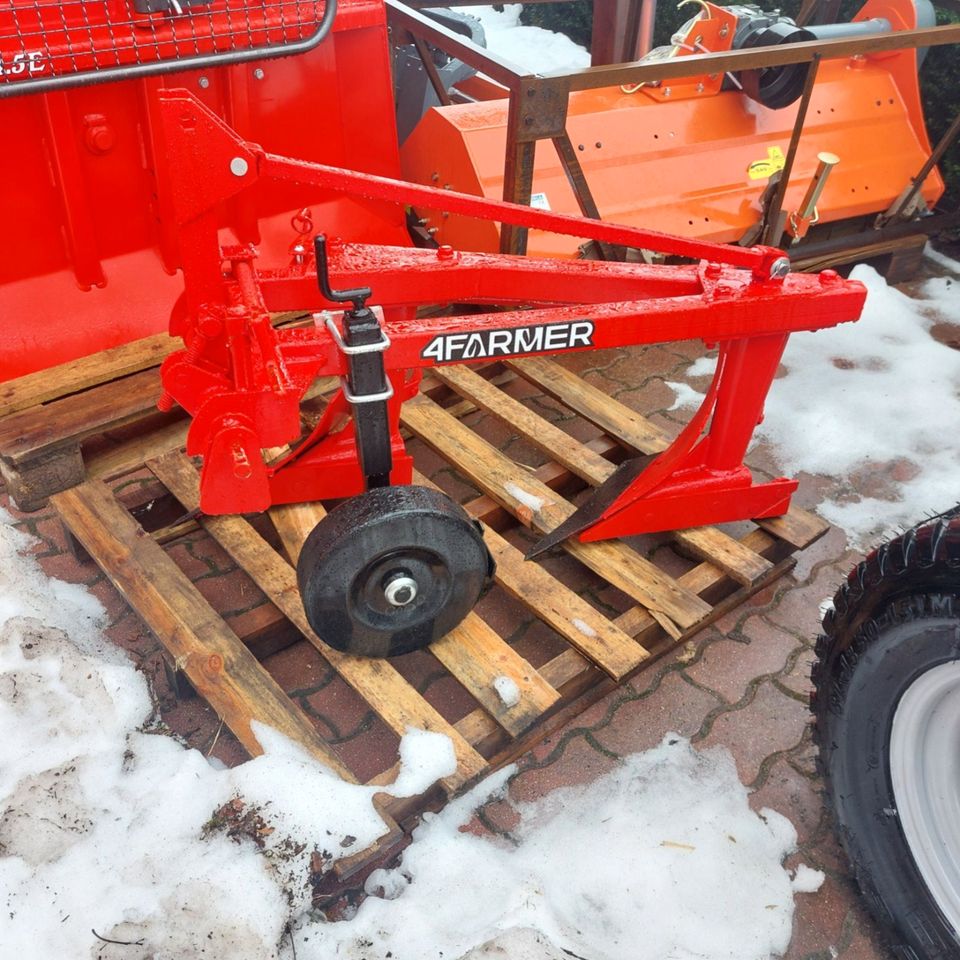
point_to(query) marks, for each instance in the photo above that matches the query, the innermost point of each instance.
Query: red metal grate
(47, 44)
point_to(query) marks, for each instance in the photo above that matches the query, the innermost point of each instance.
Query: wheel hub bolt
(401, 590)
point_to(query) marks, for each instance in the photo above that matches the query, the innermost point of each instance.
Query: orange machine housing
(696, 166)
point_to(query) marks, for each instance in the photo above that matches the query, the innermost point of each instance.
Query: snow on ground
(880, 396)
(109, 827)
(662, 858)
(536, 49)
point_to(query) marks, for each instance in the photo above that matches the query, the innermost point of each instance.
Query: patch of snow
(686, 396)
(536, 49)
(522, 496)
(702, 367)
(808, 880)
(507, 690)
(872, 393)
(662, 857)
(583, 627)
(425, 758)
(941, 259)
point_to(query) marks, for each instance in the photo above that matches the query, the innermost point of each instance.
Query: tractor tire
(886, 703)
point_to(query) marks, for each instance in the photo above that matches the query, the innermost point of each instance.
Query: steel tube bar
(749, 59)
(773, 231)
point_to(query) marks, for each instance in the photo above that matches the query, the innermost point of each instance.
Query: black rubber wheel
(887, 707)
(391, 570)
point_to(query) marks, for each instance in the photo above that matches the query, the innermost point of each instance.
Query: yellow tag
(761, 169)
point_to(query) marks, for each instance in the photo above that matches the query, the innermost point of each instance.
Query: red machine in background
(92, 258)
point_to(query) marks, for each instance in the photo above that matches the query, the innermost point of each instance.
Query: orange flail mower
(695, 155)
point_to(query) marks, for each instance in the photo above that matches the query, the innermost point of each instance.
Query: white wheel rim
(925, 773)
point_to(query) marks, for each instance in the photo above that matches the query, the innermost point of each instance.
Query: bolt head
(779, 268)
(239, 167)
(204, 82)
(258, 74)
(401, 591)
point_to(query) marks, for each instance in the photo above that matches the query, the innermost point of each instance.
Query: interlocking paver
(769, 723)
(673, 706)
(729, 666)
(795, 796)
(573, 760)
(797, 607)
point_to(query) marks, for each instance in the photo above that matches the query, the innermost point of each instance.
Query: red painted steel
(90, 256)
(242, 380)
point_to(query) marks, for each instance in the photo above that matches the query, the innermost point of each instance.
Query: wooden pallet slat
(67, 378)
(742, 564)
(219, 666)
(543, 509)
(613, 418)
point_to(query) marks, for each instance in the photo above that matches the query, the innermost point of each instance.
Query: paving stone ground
(741, 683)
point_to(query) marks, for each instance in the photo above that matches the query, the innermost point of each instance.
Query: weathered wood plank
(611, 416)
(70, 420)
(66, 378)
(397, 703)
(219, 666)
(708, 543)
(472, 652)
(478, 657)
(616, 653)
(797, 527)
(537, 506)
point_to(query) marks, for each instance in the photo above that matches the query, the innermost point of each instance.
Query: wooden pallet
(665, 594)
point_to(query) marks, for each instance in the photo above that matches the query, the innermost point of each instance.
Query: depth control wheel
(392, 570)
